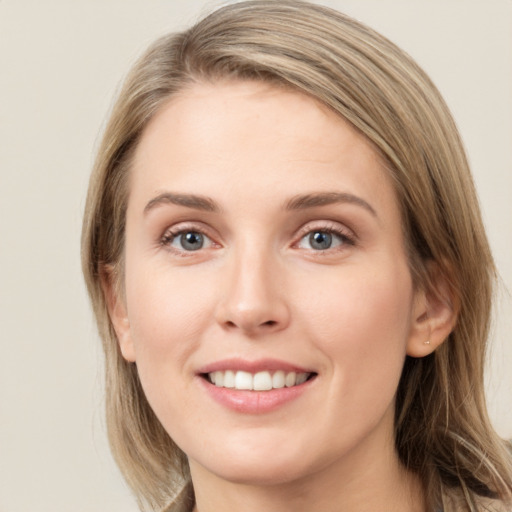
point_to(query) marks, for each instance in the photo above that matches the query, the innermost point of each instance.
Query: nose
(253, 298)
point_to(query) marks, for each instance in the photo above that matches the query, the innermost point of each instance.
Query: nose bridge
(253, 299)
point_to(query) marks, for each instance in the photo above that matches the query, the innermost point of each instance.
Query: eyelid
(172, 232)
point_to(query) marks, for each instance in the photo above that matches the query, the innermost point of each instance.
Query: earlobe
(117, 312)
(433, 318)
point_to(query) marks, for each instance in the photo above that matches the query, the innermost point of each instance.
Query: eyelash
(173, 233)
(345, 236)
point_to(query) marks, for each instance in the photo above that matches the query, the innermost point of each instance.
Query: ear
(117, 311)
(434, 315)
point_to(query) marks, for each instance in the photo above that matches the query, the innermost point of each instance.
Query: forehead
(253, 131)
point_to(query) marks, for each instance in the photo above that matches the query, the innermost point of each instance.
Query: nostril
(230, 324)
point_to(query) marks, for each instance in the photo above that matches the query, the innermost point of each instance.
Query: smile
(255, 387)
(260, 381)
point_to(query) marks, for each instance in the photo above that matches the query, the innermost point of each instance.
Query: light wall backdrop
(61, 64)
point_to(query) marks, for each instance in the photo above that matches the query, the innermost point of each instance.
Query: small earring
(427, 342)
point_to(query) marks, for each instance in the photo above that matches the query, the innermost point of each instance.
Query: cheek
(167, 313)
(363, 325)
(360, 303)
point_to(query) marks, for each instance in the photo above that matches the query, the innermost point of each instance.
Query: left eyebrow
(192, 201)
(302, 202)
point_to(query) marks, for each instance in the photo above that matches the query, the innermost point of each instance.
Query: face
(268, 301)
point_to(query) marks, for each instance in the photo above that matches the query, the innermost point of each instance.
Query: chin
(260, 464)
(268, 473)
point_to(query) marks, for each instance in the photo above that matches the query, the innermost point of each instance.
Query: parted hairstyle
(442, 430)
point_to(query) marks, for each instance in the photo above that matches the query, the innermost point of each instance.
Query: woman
(287, 263)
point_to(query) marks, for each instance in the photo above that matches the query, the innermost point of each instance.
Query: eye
(186, 240)
(323, 240)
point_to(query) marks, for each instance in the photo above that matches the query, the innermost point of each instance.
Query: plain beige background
(60, 65)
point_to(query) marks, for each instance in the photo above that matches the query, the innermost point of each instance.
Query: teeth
(261, 381)
(278, 379)
(301, 378)
(243, 380)
(290, 379)
(229, 379)
(218, 378)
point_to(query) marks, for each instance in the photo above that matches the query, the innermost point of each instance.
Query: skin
(259, 289)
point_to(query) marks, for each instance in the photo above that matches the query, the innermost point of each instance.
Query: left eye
(319, 240)
(189, 241)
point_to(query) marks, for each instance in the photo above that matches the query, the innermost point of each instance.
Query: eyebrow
(300, 202)
(305, 201)
(188, 200)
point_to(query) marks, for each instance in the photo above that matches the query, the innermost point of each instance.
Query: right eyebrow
(313, 200)
(195, 202)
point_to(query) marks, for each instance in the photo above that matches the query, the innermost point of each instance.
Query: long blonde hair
(442, 429)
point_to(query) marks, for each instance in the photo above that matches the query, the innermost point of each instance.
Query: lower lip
(254, 402)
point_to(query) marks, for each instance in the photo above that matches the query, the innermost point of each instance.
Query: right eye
(186, 240)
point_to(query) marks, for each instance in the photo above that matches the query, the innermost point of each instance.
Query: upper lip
(259, 365)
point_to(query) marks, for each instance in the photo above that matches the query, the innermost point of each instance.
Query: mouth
(256, 387)
(259, 381)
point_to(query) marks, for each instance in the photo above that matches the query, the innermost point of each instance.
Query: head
(368, 82)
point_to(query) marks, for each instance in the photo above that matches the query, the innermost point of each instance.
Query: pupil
(192, 241)
(320, 240)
